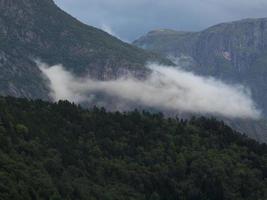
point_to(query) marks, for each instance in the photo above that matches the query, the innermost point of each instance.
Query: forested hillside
(60, 151)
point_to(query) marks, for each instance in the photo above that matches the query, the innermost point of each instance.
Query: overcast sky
(129, 19)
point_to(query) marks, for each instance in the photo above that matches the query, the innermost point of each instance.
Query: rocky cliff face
(31, 29)
(235, 52)
(239, 45)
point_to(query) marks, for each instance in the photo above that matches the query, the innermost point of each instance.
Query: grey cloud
(166, 88)
(130, 19)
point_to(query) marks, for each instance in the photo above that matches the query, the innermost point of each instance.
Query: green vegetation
(60, 151)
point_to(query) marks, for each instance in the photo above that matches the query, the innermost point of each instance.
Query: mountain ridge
(234, 52)
(39, 29)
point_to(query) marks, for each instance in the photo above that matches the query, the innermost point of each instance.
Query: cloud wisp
(166, 88)
(110, 31)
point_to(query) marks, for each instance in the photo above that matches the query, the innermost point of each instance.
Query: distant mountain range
(235, 52)
(38, 29)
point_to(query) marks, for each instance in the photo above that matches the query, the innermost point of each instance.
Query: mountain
(235, 52)
(60, 151)
(38, 29)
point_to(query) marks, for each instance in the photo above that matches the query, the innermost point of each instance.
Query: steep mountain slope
(235, 52)
(60, 151)
(38, 29)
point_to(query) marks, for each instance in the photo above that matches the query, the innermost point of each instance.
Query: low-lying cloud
(166, 88)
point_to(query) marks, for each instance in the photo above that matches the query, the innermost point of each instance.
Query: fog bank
(166, 88)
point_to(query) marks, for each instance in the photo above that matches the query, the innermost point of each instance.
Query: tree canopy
(54, 151)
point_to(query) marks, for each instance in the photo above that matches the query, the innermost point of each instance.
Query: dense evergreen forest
(61, 151)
